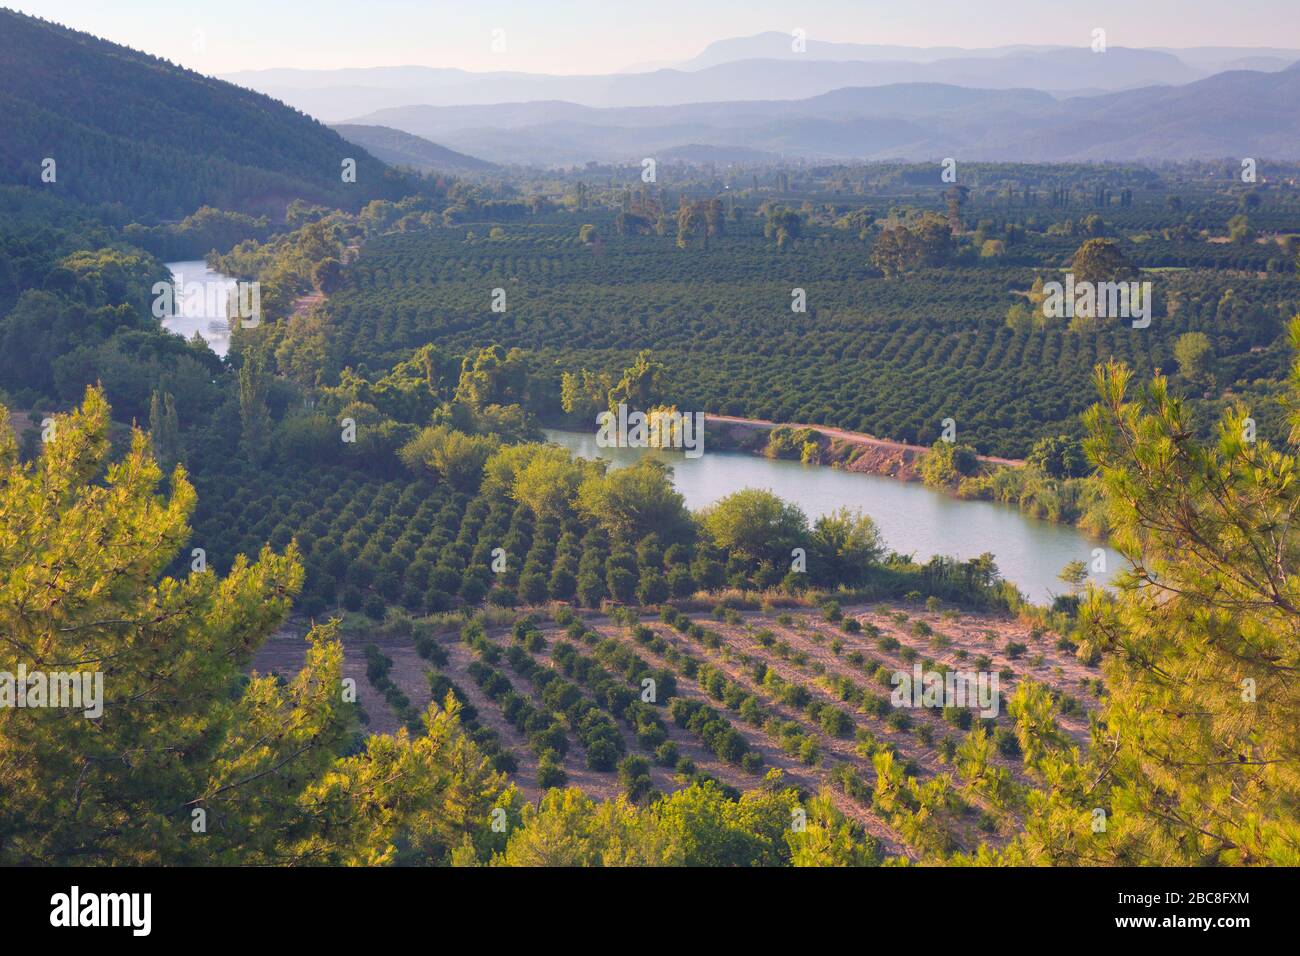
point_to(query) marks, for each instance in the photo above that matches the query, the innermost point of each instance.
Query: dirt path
(284, 651)
(852, 438)
(489, 715)
(305, 303)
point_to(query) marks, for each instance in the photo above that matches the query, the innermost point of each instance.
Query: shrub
(666, 754)
(602, 755)
(653, 588)
(835, 722)
(502, 596)
(681, 583)
(957, 716)
(591, 589)
(532, 587)
(1006, 742)
(550, 773)
(634, 775)
(374, 607)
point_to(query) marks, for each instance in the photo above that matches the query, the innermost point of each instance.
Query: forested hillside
(402, 149)
(128, 128)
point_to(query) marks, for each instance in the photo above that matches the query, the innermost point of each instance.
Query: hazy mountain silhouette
(338, 95)
(1240, 113)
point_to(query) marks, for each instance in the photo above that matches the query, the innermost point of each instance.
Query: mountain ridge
(900, 121)
(344, 95)
(399, 148)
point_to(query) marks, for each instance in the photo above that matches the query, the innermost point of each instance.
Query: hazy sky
(581, 36)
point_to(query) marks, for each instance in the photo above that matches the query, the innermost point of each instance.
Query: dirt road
(854, 438)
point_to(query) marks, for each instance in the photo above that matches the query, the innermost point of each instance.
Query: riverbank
(913, 517)
(1007, 481)
(853, 451)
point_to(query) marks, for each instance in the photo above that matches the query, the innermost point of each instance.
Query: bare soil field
(833, 666)
(283, 654)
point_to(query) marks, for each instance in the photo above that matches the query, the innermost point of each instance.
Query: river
(210, 320)
(912, 518)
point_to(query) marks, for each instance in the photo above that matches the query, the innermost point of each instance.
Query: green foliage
(197, 234)
(493, 376)
(1195, 357)
(1058, 456)
(784, 225)
(1194, 758)
(1101, 260)
(254, 414)
(453, 456)
(259, 759)
(901, 248)
(635, 501)
(78, 98)
(756, 523)
(641, 386)
(845, 545)
(946, 463)
(544, 477)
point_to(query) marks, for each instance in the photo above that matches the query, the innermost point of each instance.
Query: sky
(602, 36)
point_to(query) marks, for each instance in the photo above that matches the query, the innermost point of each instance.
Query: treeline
(203, 231)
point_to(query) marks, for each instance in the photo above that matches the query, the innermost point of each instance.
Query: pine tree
(164, 429)
(254, 414)
(1195, 758)
(191, 760)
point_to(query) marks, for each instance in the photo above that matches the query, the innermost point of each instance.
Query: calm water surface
(912, 518)
(213, 327)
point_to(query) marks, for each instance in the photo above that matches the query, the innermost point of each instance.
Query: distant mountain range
(398, 148)
(122, 127)
(339, 95)
(758, 99)
(778, 46)
(763, 67)
(1238, 113)
(132, 129)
